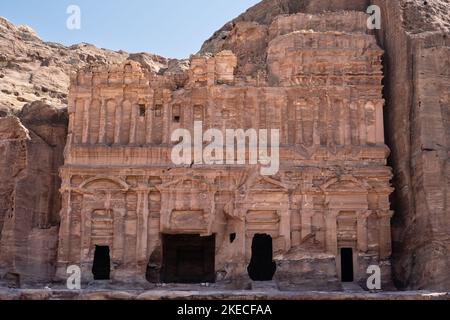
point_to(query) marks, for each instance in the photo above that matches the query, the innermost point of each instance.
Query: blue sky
(171, 28)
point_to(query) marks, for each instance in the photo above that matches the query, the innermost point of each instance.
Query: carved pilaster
(371, 122)
(133, 127)
(86, 227)
(362, 123)
(379, 122)
(86, 118)
(306, 216)
(384, 224)
(119, 235)
(362, 230)
(285, 227)
(166, 120)
(118, 123)
(142, 225)
(102, 131)
(64, 235)
(331, 231)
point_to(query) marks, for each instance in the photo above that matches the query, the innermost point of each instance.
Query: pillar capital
(385, 214)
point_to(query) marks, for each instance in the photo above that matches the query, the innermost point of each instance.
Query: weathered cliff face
(415, 37)
(416, 90)
(31, 149)
(31, 69)
(32, 140)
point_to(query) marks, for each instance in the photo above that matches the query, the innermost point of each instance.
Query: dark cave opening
(347, 265)
(101, 267)
(262, 267)
(188, 259)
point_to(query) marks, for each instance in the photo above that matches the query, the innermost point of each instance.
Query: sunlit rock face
(314, 78)
(348, 103)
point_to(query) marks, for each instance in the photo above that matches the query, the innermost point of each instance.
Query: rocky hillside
(32, 69)
(415, 35)
(416, 38)
(34, 83)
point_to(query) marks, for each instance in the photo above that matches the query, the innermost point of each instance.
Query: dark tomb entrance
(188, 259)
(102, 264)
(262, 267)
(347, 265)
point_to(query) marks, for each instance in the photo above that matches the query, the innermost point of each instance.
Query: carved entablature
(188, 205)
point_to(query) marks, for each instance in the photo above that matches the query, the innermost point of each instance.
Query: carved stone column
(347, 123)
(85, 241)
(71, 111)
(64, 234)
(362, 230)
(86, 228)
(384, 224)
(362, 123)
(371, 122)
(86, 118)
(118, 122)
(119, 235)
(379, 122)
(316, 122)
(240, 255)
(306, 216)
(142, 225)
(133, 124)
(342, 116)
(166, 119)
(331, 231)
(149, 119)
(102, 132)
(285, 227)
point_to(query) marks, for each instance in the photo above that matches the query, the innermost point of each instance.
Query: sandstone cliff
(415, 37)
(31, 69)
(31, 151)
(417, 122)
(34, 83)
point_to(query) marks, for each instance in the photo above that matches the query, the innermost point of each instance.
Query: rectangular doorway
(347, 265)
(102, 263)
(188, 259)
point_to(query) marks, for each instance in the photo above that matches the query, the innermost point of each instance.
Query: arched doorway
(262, 267)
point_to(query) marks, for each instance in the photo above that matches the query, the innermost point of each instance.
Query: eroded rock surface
(32, 69)
(414, 37)
(318, 85)
(31, 154)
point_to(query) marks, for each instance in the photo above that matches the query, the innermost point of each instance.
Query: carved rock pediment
(262, 183)
(101, 183)
(266, 183)
(345, 184)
